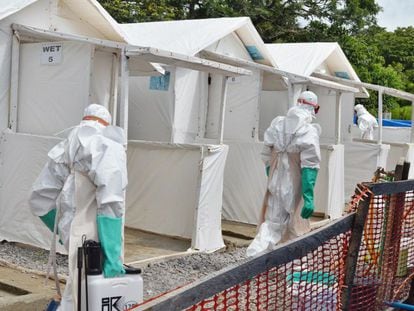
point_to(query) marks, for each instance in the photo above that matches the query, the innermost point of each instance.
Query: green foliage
(384, 58)
(401, 113)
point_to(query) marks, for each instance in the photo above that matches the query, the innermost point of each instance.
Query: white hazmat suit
(291, 150)
(81, 188)
(366, 122)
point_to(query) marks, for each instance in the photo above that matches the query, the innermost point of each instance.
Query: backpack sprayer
(96, 292)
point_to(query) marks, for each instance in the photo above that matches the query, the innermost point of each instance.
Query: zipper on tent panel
(173, 73)
(14, 82)
(91, 67)
(338, 117)
(113, 104)
(203, 104)
(123, 104)
(255, 133)
(196, 228)
(223, 108)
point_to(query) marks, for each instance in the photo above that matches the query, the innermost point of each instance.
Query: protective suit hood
(360, 110)
(297, 118)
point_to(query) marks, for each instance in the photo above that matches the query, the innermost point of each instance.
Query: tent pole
(338, 117)
(380, 98)
(412, 122)
(14, 84)
(223, 108)
(123, 111)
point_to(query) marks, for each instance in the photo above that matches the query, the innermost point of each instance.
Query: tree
(276, 20)
(141, 11)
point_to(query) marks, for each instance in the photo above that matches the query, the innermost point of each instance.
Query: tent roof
(90, 11)
(314, 57)
(8, 7)
(192, 36)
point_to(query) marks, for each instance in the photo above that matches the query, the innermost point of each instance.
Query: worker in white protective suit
(366, 122)
(291, 154)
(81, 190)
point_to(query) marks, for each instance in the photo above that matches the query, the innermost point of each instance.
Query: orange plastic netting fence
(386, 255)
(303, 284)
(325, 270)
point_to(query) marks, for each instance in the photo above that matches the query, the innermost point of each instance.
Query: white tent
(318, 57)
(242, 197)
(67, 54)
(326, 60)
(186, 106)
(391, 144)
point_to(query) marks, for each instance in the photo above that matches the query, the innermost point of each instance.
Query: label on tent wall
(160, 83)
(51, 53)
(254, 52)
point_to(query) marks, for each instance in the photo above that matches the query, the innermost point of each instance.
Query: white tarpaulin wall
(52, 97)
(242, 111)
(361, 162)
(24, 155)
(389, 134)
(329, 190)
(176, 190)
(272, 104)
(398, 139)
(151, 108)
(168, 193)
(245, 182)
(168, 108)
(398, 151)
(191, 93)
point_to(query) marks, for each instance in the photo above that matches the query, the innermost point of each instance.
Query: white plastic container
(113, 294)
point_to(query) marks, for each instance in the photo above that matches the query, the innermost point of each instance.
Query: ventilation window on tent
(160, 83)
(254, 52)
(342, 74)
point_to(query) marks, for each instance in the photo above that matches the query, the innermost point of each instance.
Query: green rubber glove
(267, 171)
(308, 183)
(109, 232)
(49, 219)
(318, 277)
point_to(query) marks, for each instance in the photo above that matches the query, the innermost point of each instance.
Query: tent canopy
(316, 57)
(192, 36)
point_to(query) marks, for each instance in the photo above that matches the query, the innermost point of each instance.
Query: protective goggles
(304, 101)
(93, 118)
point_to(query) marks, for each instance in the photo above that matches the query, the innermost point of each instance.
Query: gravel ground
(158, 277)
